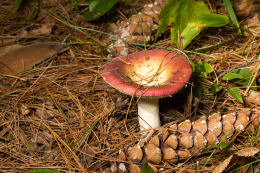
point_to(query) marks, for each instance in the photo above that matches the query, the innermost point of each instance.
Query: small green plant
(243, 77)
(187, 18)
(200, 70)
(215, 88)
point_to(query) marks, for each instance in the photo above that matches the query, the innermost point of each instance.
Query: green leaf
(232, 15)
(231, 76)
(194, 27)
(244, 72)
(187, 18)
(146, 168)
(235, 94)
(207, 67)
(44, 171)
(241, 77)
(176, 13)
(98, 8)
(202, 69)
(215, 88)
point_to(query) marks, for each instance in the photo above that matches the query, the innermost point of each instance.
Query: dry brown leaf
(222, 166)
(247, 152)
(17, 58)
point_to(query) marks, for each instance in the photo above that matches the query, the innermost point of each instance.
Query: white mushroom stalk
(148, 113)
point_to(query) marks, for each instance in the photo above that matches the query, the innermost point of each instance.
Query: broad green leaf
(44, 171)
(241, 77)
(98, 8)
(235, 94)
(166, 16)
(244, 72)
(213, 20)
(146, 168)
(215, 88)
(245, 82)
(187, 18)
(180, 19)
(194, 27)
(177, 13)
(203, 69)
(232, 15)
(231, 76)
(207, 67)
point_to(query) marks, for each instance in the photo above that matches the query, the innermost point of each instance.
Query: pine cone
(181, 141)
(138, 29)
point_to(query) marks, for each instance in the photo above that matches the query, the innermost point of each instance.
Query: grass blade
(232, 15)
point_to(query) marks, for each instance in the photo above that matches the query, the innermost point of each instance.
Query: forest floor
(62, 115)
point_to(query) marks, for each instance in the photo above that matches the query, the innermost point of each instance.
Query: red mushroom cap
(150, 73)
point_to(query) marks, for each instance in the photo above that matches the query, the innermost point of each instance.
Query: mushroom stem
(148, 111)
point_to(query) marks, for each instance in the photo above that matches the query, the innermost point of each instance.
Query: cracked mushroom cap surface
(150, 73)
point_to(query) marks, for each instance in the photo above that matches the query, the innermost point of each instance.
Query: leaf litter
(97, 128)
(245, 152)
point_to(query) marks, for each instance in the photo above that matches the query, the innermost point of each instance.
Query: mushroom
(148, 75)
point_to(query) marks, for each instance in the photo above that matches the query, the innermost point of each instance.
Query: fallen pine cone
(138, 28)
(184, 140)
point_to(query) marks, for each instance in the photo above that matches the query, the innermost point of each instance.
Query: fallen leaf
(17, 58)
(223, 165)
(247, 152)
